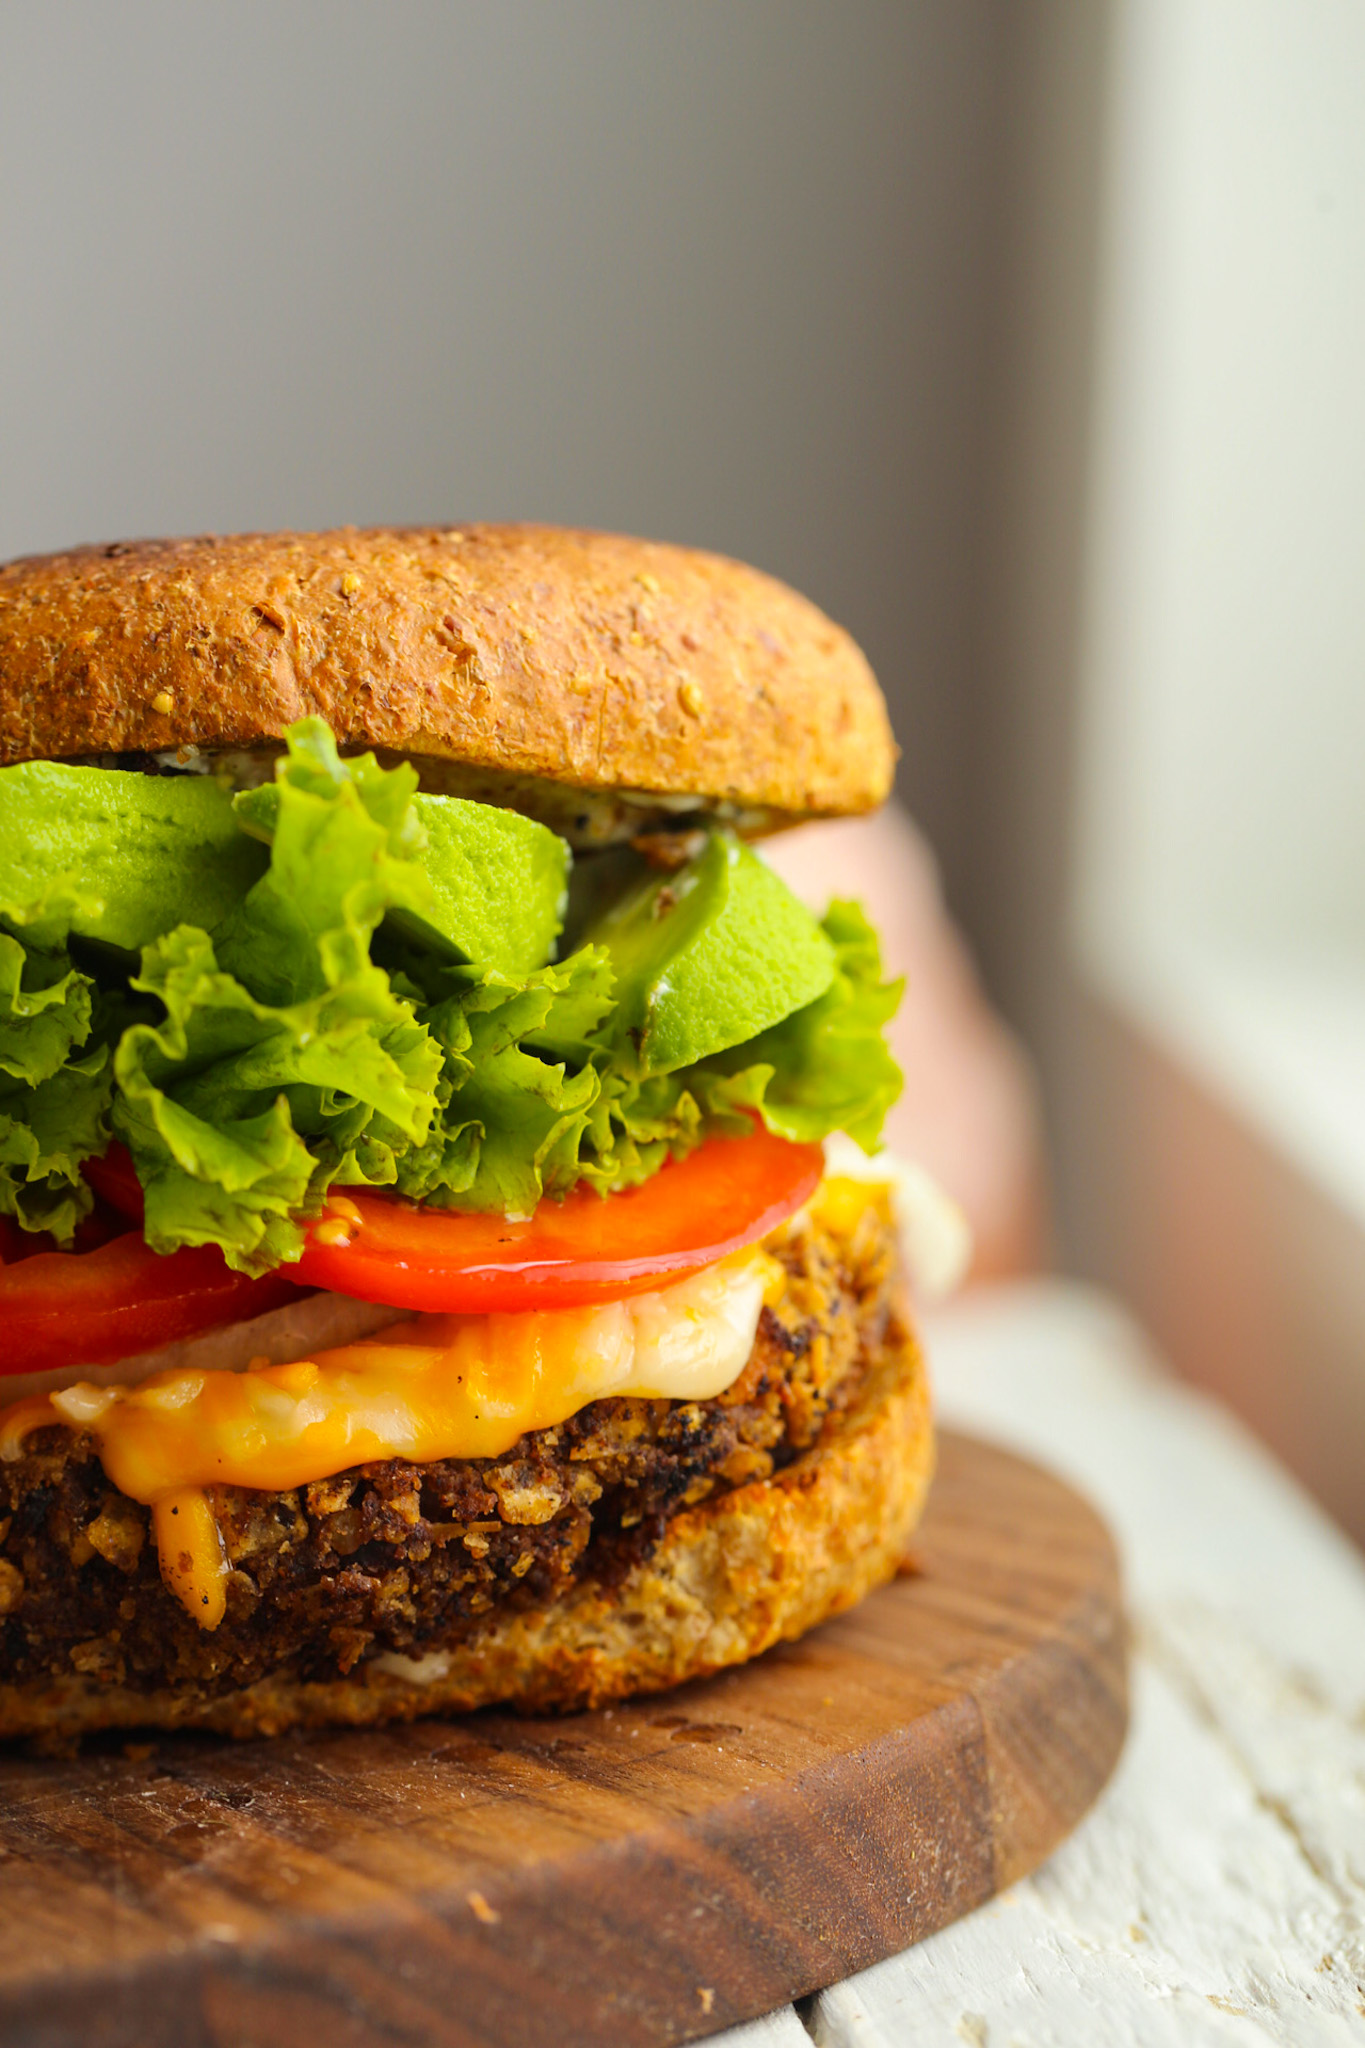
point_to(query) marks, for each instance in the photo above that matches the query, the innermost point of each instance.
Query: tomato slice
(91, 1308)
(728, 1193)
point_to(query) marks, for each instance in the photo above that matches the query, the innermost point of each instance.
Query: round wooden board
(646, 1875)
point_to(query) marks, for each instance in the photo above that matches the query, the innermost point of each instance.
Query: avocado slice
(499, 881)
(708, 956)
(144, 852)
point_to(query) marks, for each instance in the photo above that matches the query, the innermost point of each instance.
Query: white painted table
(1217, 1893)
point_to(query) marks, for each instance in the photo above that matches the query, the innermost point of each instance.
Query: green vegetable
(827, 1067)
(495, 882)
(513, 1119)
(286, 1060)
(516, 1128)
(46, 1134)
(824, 1068)
(355, 988)
(239, 1114)
(55, 1083)
(148, 851)
(707, 956)
(499, 880)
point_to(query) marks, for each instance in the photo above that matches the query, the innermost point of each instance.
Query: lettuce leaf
(513, 1117)
(826, 1067)
(305, 1042)
(55, 1082)
(285, 1060)
(239, 1114)
(516, 1126)
(45, 1009)
(343, 836)
(47, 1133)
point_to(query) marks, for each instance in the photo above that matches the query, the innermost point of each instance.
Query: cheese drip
(434, 1387)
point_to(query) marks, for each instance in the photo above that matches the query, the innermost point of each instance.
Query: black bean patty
(398, 1557)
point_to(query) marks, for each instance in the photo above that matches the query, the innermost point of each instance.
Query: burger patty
(397, 1558)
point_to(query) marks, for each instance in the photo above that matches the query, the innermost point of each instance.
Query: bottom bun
(756, 1566)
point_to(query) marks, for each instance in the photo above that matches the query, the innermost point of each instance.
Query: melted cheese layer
(433, 1387)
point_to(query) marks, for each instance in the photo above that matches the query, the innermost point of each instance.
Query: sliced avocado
(500, 880)
(709, 955)
(145, 852)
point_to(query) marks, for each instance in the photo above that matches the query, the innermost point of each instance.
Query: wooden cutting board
(646, 1875)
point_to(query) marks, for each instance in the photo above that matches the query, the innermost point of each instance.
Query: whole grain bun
(728, 1579)
(571, 659)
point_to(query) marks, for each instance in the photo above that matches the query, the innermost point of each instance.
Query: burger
(423, 1286)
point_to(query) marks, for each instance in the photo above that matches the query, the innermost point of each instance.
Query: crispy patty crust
(398, 1558)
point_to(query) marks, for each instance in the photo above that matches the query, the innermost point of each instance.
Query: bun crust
(581, 659)
(728, 1579)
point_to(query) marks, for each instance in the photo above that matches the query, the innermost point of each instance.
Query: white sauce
(936, 1237)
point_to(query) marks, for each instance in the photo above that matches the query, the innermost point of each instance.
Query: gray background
(716, 273)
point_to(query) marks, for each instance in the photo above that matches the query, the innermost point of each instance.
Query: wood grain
(640, 1876)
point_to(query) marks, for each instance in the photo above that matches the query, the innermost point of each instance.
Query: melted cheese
(194, 1561)
(433, 1387)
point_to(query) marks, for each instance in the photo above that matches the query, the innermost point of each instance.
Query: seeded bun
(538, 655)
(728, 1579)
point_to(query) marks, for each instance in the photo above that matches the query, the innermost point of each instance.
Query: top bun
(526, 654)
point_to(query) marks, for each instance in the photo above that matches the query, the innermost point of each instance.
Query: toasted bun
(727, 1580)
(576, 659)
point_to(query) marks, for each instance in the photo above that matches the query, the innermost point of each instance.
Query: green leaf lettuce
(315, 1037)
(55, 1083)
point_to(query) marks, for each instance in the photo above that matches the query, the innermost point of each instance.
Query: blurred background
(1024, 335)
